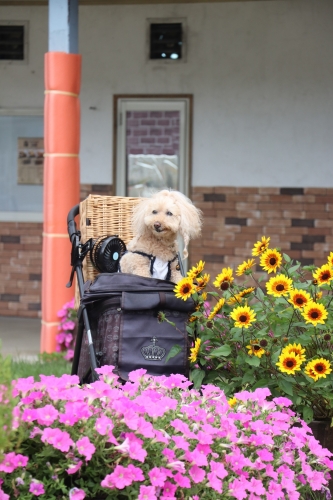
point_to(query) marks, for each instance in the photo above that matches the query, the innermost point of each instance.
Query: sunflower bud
(161, 317)
(209, 324)
(327, 337)
(285, 339)
(267, 353)
(263, 343)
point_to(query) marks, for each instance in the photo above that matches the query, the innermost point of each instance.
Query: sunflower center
(314, 314)
(319, 368)
(290, 363)
(243, 318)
(272, 261)
(186, 289)
(224, 285)
(299, 301)
(256, 347)
(325, 276)
(279, 287)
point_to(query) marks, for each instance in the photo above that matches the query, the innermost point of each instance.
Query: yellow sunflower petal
(323, 274)
(289, 363)
(270, 260)
(260, 246)
(299, 298)
(318, 368)
(195, 351)
(243, 316)
(224, 279)
(184, 289)
(245, 266)
(279, 285)
(314, 313)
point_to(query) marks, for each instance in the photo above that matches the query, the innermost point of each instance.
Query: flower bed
(154, 438)
(274, 331)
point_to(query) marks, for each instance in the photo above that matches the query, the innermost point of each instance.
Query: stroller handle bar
(71, 225)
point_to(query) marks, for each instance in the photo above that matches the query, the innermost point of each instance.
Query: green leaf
(224, 350)
(294, 268)
(248, 377)
(286, 387)
(263, 382)
(175, 349)
(286, 257)
(260, 294)
(197, 377)
(252, 360)
(307, 414)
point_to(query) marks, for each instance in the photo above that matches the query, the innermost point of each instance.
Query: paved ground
(20, 336)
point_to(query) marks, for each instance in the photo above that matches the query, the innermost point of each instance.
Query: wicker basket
(104, 216)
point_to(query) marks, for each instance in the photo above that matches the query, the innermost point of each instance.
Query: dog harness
(152, 259)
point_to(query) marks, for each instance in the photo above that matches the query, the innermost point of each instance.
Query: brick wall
(20, 268)
(299, 221)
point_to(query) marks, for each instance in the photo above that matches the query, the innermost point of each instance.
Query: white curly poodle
(157, 221)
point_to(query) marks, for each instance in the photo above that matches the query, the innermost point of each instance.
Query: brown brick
(224, 189)
(323, 223)
(268, 190)
(291, 191)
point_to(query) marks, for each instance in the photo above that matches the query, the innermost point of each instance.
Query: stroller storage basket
(123, 311)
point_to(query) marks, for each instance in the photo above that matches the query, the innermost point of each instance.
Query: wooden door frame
(116, 98)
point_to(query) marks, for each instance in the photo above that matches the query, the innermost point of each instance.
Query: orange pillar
(61, 184)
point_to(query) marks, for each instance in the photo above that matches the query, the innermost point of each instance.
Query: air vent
(166, 41)
(11, 42)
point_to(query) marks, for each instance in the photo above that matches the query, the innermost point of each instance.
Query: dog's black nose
(157, 225)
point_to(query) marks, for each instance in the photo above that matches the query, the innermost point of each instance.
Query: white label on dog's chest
(160, 269)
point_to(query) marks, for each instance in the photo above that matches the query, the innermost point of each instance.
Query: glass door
(152, 140)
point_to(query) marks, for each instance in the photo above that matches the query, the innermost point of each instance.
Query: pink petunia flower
(36, 488)
(74, 467)
(197, 474)
(147, 493)
(76, 494)
(157, 477)
(85, 448)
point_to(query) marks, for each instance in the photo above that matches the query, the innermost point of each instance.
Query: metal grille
(11, 43)
(166, 41)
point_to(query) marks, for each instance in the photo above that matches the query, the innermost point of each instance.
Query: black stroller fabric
(123, 312)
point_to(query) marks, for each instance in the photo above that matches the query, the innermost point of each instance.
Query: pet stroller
(118, 313)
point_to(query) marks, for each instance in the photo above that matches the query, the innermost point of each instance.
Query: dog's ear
(190, 219)
(138, 217)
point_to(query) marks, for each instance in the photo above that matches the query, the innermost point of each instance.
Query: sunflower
(184, 289)
(195, 351)
(323, 274)
(330, 259)
(245, 266)
(318, 295)
(216, 309)
(196, 270)
(270, 260)
(260, 246)
(289, 363)
(314, 313)
(243, 316)
(279, 285)
(297, 349)
(224, 279)
(318, 368)
(299, 298)
(237, 298)
(255, 348)
(202, 282)
(232, 402)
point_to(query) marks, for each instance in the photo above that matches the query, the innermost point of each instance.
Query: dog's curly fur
(157, 221)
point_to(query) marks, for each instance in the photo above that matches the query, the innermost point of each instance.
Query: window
(166, 41)
(13, 41)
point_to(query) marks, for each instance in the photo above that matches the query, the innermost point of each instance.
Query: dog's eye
(169, 213)
(154, 212)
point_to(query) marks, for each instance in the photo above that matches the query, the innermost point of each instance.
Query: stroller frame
(78, 253)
